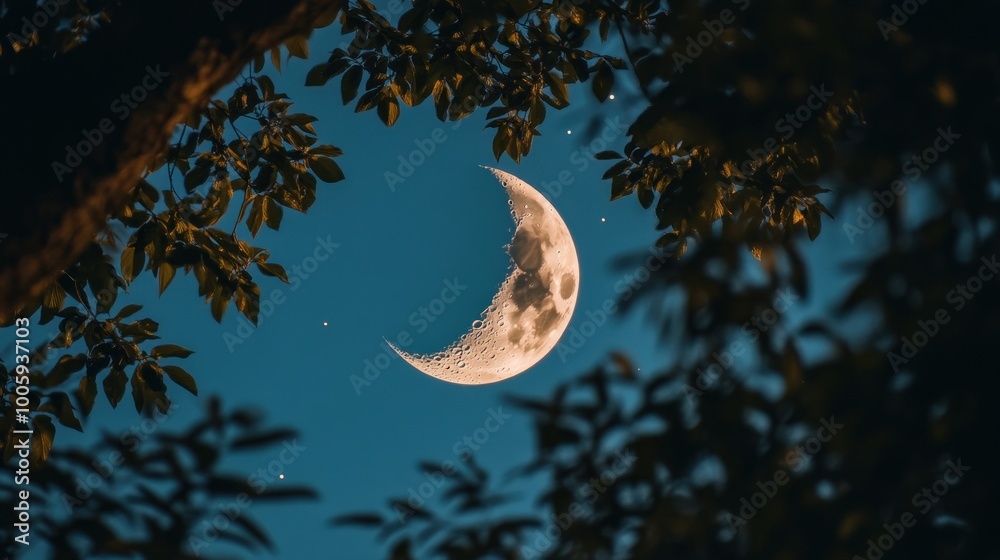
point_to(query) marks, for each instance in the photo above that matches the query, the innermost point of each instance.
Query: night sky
(395, 243)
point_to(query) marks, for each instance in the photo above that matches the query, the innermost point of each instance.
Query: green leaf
(138, 388)
(220, 301)
(326, 169)
(616, 63)
(45, 432)
(368, 100)
(87, 392)
(558, 88)
(272, 213)
(256, 216)
(350, 82)
(667, 239)
(132, 262)
(127, 311)
(604, 80)
(617, 168)
(495, 112)
(813, 223)
(166, 275)
(54, 297)
(608, 154)
(501, 141)
(410, 19)
(441, 101)
(276, 58)
(182, 378)
(318, 75)
(170, 351)
(273, 270)
(388, 110)
(66, 366)
(298, 47)
(114, 386)
(620, 186)
(266, 86)
(645, 196)
(196, 177)
(326, 150)
(66, 416)
(537, 113)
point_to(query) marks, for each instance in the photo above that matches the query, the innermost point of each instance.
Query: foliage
(150, 492)
(730, 164)
(251, 148)
(461, 56)
(705, 157)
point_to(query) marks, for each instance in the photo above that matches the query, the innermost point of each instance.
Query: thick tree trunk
(177, 53)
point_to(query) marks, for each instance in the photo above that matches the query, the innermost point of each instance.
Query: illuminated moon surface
(533, 307)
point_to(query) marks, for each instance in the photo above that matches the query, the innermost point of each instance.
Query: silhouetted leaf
(170, 351)
(114, 386)
(181, 377)
(349, 83)
(361, 519)
(326, 169)
(268, 438)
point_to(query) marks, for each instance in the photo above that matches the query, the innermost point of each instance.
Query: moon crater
(533, 306)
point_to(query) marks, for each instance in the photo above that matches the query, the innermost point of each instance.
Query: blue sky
(397, 248)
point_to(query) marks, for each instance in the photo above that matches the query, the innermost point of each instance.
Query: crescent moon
(531, 310)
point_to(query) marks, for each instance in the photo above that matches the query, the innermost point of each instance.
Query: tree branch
(174, 54)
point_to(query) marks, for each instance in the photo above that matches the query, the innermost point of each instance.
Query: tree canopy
(765, 124)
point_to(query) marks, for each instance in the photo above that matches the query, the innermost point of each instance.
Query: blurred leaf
(264, 439)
